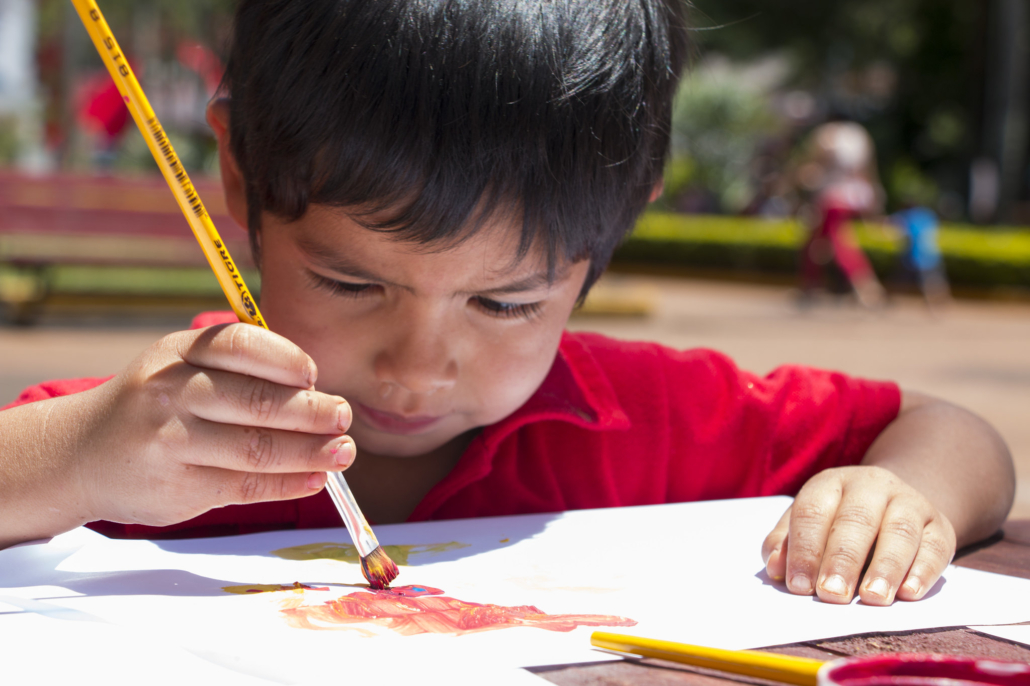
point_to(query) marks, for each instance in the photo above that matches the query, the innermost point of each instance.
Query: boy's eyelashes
(493, 308)
(507, 310)
(344, 288)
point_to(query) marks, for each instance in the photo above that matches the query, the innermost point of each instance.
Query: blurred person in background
(837, 175)
(921, 258)
(102, 114)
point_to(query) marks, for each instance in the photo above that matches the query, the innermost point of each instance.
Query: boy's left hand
(828, 533)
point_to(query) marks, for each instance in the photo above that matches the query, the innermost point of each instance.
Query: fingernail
(344, 415)
(800, 583)
(316, 480)
(835, 585)
(879, 587)
(913, 586)
(312, 374)
(344, 452)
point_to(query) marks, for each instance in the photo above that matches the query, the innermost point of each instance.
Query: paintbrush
(376, 565)
(755, 663)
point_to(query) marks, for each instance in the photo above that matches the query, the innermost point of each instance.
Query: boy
(429, 189)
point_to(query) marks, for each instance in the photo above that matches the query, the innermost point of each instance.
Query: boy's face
(424, 342)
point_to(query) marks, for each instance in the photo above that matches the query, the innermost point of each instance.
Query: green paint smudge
(297, 587)
(346, 552)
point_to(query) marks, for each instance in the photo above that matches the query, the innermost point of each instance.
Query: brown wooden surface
(1006, 553)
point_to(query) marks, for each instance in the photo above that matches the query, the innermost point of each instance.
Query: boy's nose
(419, 363)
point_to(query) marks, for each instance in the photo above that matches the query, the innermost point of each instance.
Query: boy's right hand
(207, 418)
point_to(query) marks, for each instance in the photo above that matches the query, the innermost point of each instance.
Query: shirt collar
(575, 390)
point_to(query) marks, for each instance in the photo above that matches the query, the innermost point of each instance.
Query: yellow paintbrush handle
(785, 668)
(226, 271)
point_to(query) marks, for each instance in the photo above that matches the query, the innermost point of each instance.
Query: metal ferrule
(364, 540)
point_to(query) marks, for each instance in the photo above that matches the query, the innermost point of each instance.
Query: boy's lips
(395, 423)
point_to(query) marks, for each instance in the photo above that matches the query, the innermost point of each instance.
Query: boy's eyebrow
(529, 283)
(338, 263)
(341, 264)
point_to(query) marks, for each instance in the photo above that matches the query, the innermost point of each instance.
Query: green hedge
(973, 256)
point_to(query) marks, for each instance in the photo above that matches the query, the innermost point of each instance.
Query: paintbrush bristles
(379, 569)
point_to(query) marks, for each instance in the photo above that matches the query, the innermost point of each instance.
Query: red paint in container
(908, 669)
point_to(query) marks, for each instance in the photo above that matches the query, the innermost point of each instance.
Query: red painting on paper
(411, 610)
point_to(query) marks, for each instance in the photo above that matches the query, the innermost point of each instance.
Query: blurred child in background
(921, 255)
(838, 174)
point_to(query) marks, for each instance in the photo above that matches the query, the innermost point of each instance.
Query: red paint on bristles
(379, 569)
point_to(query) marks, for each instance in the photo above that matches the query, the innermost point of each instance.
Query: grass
(136, 281)
(151, 282)
(678, 228)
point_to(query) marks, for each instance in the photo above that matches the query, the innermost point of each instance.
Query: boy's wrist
(67, 445)
(41, 489)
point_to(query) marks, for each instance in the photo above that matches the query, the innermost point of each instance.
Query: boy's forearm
(38, 490)
(954, 458)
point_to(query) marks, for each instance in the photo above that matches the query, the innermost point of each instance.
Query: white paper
(686, 572)
(47, 652)
(1018, 633)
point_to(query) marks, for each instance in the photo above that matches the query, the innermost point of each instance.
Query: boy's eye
(494, 308)
(507, 310)
(344, 288)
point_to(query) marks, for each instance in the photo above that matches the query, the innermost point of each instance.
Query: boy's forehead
(336, 240)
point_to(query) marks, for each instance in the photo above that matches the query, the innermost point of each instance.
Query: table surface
(1006, 553)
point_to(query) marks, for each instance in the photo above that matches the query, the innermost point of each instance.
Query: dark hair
(440, 113)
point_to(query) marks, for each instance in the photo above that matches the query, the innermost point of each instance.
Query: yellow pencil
(754, 663)
(376, 565)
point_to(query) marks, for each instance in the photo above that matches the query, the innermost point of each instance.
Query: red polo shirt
(613, 424)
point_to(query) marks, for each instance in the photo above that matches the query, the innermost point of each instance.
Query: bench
(108, 221)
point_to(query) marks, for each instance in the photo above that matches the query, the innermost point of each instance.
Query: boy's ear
(657, 190)
(232, 180)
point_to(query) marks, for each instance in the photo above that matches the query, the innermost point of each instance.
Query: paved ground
(974, 354)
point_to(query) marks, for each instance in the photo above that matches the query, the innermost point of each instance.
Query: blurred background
(849, 188)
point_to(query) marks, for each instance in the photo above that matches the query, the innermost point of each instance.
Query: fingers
(936, 550)
(811, 517)
(774, 548)
(855, 528)
(241, 488)
(229, 398)
(900, 538)
(251, 351)
(839, 518)
(253, 449)
(195, 490)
